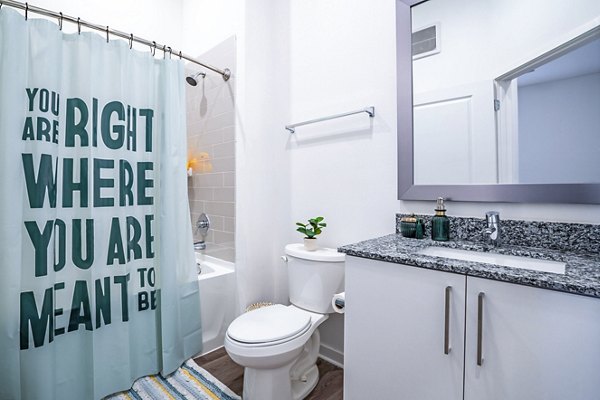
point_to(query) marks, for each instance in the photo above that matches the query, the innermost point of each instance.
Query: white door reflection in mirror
(457, 133)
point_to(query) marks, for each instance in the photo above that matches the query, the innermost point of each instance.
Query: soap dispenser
(440, 225)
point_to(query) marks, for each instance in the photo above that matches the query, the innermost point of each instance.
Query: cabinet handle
(480, 328)
(447, 321)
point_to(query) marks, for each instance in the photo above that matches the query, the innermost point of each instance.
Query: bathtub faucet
(202, 227)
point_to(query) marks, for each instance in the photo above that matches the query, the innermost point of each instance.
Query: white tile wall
(211, 130)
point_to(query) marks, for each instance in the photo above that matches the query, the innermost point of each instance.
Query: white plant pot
(311, 244)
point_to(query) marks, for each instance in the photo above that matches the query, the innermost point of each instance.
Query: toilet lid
(268, 324)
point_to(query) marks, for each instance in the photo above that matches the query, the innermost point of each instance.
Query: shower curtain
(97, 272)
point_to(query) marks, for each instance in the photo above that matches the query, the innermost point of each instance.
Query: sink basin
(555, 267)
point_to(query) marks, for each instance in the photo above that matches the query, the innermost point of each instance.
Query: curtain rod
(225, 73)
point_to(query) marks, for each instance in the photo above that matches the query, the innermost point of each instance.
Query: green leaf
(312, 228)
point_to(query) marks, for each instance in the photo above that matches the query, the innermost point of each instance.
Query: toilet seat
(261, 354)
(269, 326)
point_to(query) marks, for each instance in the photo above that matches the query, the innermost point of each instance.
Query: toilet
(278, 345)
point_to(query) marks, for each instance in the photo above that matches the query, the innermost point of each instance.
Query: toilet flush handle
(284, 258)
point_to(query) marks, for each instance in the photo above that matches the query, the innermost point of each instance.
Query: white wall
(342, 57)
(262, 172)
(209, 22)
(155, 20)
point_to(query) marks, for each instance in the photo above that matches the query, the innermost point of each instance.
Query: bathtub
(217, 299)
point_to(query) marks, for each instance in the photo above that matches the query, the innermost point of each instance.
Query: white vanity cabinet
(535, 344)
(395, 332)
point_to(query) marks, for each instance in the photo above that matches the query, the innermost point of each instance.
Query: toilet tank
(314, 277)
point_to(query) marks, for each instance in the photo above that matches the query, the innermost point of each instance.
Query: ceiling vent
(426, 41)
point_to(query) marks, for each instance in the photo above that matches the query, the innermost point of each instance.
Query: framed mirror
(504, 101)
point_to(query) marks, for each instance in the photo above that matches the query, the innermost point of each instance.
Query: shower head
(193, 79)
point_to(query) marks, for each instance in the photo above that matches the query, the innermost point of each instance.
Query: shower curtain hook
(170, 52)
(180, 55)
(106, 33)
(26, 10)
(130, 41)
(78, 25)
(164, 49)
(60, 21)
(153, 49)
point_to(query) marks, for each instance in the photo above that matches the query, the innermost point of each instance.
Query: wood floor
(218, 363)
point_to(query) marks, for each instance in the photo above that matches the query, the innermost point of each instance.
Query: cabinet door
(537, 344)
(395, 332)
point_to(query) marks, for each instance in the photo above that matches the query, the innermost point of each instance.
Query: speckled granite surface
(578, 238)
(582, 274)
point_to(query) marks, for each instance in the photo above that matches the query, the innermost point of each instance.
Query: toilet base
(261, 384)
(292, 381)
(301, 389)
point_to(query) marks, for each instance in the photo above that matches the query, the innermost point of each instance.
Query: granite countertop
(582, 273)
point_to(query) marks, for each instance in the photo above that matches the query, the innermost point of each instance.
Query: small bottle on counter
(419, 229)
(440, 225)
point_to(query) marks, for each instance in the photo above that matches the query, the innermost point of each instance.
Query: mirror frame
(578, 193)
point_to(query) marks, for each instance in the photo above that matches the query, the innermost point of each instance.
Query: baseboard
(203, 353)
(331, 355)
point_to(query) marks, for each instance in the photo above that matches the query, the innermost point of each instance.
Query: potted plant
(310, 232)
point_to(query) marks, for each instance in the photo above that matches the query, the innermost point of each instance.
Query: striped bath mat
(188, 382)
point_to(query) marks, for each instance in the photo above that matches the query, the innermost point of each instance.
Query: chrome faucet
(492, 219)
(202, 227)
